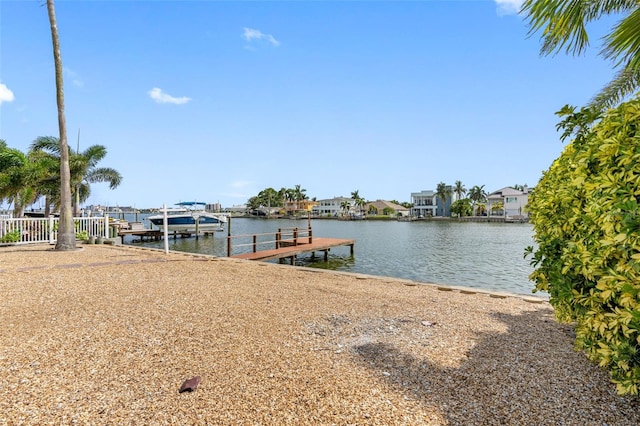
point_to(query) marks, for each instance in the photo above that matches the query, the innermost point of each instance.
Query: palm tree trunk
(66, 231)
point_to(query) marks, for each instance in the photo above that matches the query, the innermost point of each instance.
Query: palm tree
(563, 26)
(358, 200)
(299, 195)
(15, 179)
(477, 194)
(498, 206)
(345, 206)
(83, 168)
(66, 230)
(23, 178)
(443, 191)
(459, 189)
(361, 203)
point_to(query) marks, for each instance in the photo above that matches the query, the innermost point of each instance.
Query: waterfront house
(294, 206)
(513, 201)
(333, 207)
(426, 203)
(382, 206)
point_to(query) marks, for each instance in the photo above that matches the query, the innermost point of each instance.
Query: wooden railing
(45, 230)
(283, 237)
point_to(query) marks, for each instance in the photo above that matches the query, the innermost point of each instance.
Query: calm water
(481, 255)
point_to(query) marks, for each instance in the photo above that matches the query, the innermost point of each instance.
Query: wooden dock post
(229, 237)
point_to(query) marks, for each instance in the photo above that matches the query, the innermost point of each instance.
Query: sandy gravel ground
(107, 335)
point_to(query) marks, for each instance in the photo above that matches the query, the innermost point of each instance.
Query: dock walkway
(291, 251)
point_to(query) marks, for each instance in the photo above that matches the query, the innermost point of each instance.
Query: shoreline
(107, 334)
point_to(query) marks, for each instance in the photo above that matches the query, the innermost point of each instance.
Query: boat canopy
(190, 203)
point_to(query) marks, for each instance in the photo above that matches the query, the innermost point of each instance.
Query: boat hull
(187, 223)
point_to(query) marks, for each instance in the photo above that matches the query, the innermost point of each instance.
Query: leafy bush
(462, 207)
(11, 237)
(587, 228)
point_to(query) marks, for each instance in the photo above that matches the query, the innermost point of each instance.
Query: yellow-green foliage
(587, 227)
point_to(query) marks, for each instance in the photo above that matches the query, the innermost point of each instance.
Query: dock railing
(283, 237)
(29, 230)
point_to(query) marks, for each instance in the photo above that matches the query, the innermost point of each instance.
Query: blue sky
(216, 100)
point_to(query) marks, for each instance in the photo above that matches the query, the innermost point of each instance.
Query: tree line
(28, 177)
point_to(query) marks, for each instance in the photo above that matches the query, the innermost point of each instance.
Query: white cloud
(251, 35)
(509, 7)
(163, 98)
(6, 95)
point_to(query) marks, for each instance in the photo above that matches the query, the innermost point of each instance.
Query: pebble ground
(107, 335)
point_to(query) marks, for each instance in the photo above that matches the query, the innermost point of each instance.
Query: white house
(424, 203)
(514, 202)
(332, 206)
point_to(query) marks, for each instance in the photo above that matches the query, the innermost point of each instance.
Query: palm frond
(104, 174)
(94, 154)
(49, 144)
(624, 84)
(623, 44)
(563, 22)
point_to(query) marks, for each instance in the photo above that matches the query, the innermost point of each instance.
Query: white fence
(45, 230)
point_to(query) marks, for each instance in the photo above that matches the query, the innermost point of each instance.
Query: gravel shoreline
(107, 335)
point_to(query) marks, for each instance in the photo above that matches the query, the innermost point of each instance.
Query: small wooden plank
(318, 244)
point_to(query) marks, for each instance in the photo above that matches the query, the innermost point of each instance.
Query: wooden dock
(137, 229)
(154, 234)
(287, 251)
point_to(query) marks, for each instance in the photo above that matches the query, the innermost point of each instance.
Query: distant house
(332, 206)
(514, 202)
(293, 206)
(424, 203)
(381, 206)
(427, 203)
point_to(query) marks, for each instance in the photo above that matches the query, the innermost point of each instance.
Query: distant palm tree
(459, 189)
(361, 203)
(299, 194)
(442, 192)
(345, 206)
(477, 194)
(358, 201)
(497, 206)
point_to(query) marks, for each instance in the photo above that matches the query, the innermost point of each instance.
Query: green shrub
(11, 237)
(82, 236)
(587, 229)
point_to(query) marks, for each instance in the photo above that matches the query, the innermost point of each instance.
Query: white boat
(189, 217)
